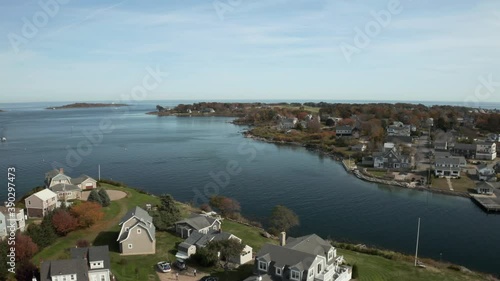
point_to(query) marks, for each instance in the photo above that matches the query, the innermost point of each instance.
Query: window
(126, 228)
(139, 231)
(103, 278)
(330, 255)
(263, 265)
(130, 246)
(295, 275)
(73, 277)
(319, 268)
(311, 273)
(29, 202)
(278, 271)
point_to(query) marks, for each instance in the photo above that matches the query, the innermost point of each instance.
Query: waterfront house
(199, 240)
(391, 158)
(67, 191)
(197, 223)
(40, 203)
(304, 258)
(486, 150)
(485, 173)
(137, 233)
(448, 166)
(347, 131)
(91, 263)
(11, 222)
(287, 123)
(56, 177)
(484, 187)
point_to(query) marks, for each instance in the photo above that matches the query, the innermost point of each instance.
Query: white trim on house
(130, 231)
(262, 266)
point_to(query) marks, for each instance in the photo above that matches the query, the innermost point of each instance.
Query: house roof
(282, 256)
(442, 154)
(80, 179)
(64, 187)
(144, 220)
(484, 184)
(91, 254)
(64, 267)
(200, 239)
(45, 194)
(465, 146)
(197, 221)
(448, 160)
(346, 127)
(137, 212)
(309, 244)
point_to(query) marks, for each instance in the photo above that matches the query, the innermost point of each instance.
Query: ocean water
(195, 157)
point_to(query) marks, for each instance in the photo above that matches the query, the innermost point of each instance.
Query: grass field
(370, 267)
(376, 268)
(463, 184)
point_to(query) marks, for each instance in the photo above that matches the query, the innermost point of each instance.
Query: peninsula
(87, 105)
(444, 149)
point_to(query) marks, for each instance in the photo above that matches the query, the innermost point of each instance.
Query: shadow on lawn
(107, 238)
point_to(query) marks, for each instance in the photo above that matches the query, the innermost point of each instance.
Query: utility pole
(418, 237)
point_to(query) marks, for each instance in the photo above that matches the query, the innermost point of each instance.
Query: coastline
(340, 158)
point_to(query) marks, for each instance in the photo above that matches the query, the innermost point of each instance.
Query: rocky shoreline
(87, 105)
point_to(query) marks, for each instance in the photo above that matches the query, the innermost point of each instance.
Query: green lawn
(142, 267)
(376, 268)
(249, 235)
(463, 184)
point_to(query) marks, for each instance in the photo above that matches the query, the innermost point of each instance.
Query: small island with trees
(87, 105)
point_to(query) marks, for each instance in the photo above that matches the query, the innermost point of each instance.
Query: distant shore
(87, 105)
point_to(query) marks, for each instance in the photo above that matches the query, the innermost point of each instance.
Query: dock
(489, 203)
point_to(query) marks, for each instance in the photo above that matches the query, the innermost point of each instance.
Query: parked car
(164, 266)
(209, 278)
(180, 264)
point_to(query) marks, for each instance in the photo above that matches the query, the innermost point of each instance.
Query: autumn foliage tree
(228, 207)
(25, 247)
(87, 213)
(64, 222)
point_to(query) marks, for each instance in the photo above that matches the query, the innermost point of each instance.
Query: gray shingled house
(137, 234)
(305, 258)
(197, 223)
(85, 264)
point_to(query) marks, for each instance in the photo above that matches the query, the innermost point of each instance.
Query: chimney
(282, 238)
(61, 171)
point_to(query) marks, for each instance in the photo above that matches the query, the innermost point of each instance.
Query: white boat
(4, 139)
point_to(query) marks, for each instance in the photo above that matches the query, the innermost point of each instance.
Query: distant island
(87, 105)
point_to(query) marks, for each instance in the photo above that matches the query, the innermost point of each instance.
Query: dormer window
(279, 271)
(263, 265)
(330, 255)
(295, 275)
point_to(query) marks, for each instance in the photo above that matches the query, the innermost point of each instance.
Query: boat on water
(4, 139)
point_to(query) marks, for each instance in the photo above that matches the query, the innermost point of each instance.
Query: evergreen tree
(168, 213)
(103, 194)
(94, 197)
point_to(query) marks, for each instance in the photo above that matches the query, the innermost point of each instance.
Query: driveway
(113, 194)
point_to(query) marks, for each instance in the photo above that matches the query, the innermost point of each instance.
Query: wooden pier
(489, 203)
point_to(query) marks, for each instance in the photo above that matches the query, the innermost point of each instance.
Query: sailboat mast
(99, 169)
(418, 237)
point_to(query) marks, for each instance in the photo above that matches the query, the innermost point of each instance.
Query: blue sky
(249, 49)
